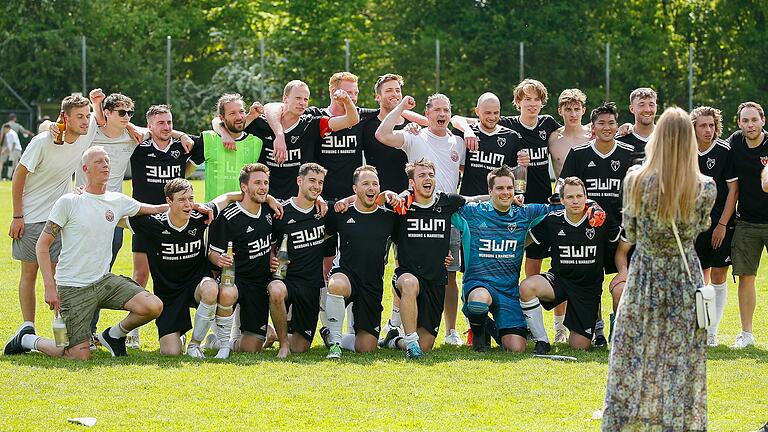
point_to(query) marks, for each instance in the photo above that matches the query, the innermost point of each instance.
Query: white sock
(334, 311)
(350, 320)
(559, 321)
(599, 327)
(25, 324)
(224, 329)
(535, 319)
(134, 332)
(236, 333)
(348, 342)
(721, 298)
(117, 331)
(395, 321)
(411, 337)
(203, 319)
(322, 315)
(29, 341)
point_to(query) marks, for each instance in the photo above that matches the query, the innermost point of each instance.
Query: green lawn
(452, 389)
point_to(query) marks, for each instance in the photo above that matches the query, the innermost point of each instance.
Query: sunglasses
(123, 113)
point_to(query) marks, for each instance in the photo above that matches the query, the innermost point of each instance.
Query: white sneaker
(183, 339)
(743, 340)
(132, 339)
(712, 339)
(561, 335)
(194, 351)
(223, 353)
(454, 338)
(387, 328)
(211, 342)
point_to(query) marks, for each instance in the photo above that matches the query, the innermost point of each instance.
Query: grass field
(451, 389)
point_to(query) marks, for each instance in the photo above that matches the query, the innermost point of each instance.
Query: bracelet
(19, 217)
(722, 224)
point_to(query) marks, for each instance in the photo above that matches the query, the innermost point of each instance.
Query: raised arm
(386, 131)
(350, 118)
(97, 98)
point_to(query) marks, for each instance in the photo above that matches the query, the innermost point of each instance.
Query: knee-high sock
(348, 342)
(395, 320)
(224, 329)
(477, 314)
(334, 311)
(535, 319)
(721, 298)
(350, 320)
(235, 333)
(322, 315)
(203, 319)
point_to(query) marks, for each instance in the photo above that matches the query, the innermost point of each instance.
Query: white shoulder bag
(705, 295)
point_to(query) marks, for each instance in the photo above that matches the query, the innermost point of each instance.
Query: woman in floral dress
(657, 368)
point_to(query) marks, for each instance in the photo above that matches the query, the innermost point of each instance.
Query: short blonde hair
(642, 93)
(530, 85)
(571, 96)
(338, 77)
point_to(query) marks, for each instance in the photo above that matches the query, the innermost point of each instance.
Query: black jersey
(306, 232)
(748, 163)
(494, 149)
(536, 141)
(638, 143)
(301, 141)
(602, 174)
(362, 241)
(716, 162)
(423, 236)
(177, 255)
(152, 168)
(340, 152)
(251, 237)
(577, 248)
(389, 162)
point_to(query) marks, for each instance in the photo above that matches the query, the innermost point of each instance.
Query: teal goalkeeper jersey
(494, 242)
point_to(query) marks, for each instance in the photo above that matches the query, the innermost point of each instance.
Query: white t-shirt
(119, 150)
(50, 169)
(11, 141)
(87, 224)
(447, 153)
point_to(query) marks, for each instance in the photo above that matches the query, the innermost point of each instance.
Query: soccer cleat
(194, 351)
(561, 334)
(132, 339)
(541, 348)
(223, 353)
(116, 347)
(392, 334)
(325, 334)
(211, 342)
(13, 346)
(413, 351)
(743, 341)
(385, 332)
(334, 352)
(453, 338)
(183, 340)
(600, 341)
(94, 342)
(712, 339)
(480, 340)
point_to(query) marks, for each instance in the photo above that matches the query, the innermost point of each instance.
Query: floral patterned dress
(657, 375)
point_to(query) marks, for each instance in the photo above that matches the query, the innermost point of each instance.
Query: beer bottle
(60, 331)
(521, 177)
(228, 273)
(282, 258)
(62, 125)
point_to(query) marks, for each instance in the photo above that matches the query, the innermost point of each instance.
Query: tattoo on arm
(52, 229)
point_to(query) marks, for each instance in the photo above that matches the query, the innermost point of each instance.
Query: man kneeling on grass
(83, 282)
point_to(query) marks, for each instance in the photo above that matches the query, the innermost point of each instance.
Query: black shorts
(139, 243)
(253, 299)
(175, 315)
(538, 250)
(709, 257)
(366, 298)
(429, 302)
(609, 256)
(330, 245)
(304, 303)
(583, 308)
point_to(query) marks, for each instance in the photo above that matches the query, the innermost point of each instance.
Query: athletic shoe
(132, 339)
(211, 342)
(561, 334)
(385, 332)
(600, 341)
(194, 351)
(116, 347)
(392, 334)
(223, 353)
(94, 342)
(529, 335)
(454, 338)
(712, 339)
(413, 351)
(183, 340)
(325, 335)
(334, 352)
(470, 337)
(541, 348)
(14, 343)
(764, 428)
(743, 341)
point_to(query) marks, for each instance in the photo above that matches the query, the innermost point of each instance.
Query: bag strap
(682, 253)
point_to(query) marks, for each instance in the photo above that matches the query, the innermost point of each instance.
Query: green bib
(222, 166)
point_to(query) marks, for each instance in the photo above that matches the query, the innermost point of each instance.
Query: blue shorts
(505, 305)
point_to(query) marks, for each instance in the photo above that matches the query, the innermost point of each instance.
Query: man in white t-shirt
(44, 174)
(83, 282)
(11, 149)
(446, 151)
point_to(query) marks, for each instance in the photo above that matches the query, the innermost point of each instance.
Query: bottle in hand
(60, 331)
(62, 125)
(228, 273)
(282, 258)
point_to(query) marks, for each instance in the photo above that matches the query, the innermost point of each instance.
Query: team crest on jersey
(710, 163)
(764, 160)
(109, 216)
(192, 232)
(615, 165)
(175, 154)
(511, 227)
(269, 219)
(317, 216)
(543, 134)
(454, 156)
(439, 209)
(294, 139)
(590, 233)
(501, 141)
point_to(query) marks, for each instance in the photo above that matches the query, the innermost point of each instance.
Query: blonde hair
(671, 167)
(530, 85)
(571, 96)
(338, 77)
(707, 111)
